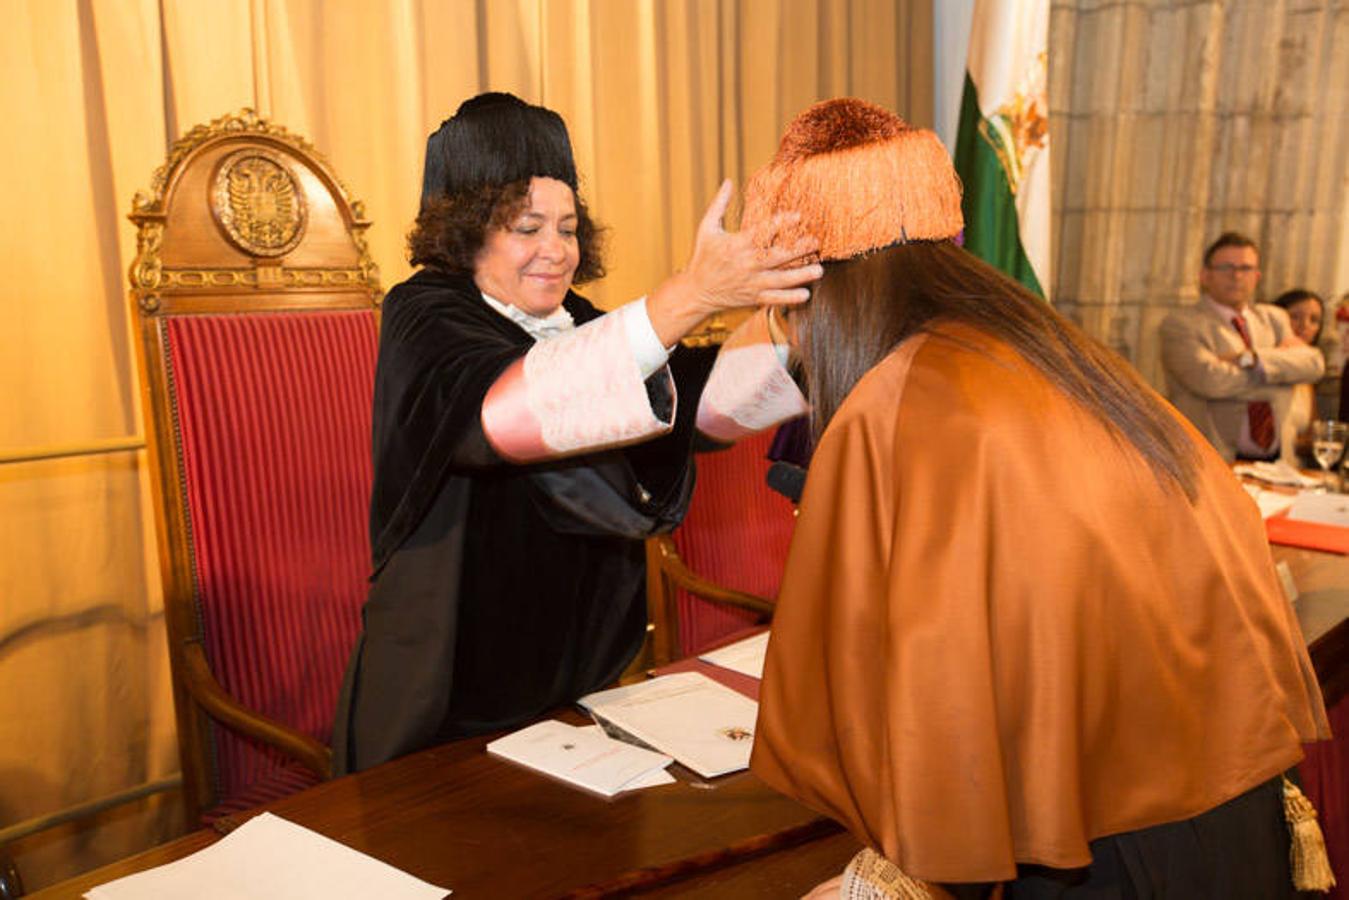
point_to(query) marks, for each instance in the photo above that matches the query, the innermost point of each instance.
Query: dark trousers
(1237, 851)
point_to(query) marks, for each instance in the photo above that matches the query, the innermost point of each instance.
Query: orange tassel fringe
(860, 177)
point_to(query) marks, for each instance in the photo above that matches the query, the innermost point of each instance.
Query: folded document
(584, 757)
(704, 725)
(269, 857)
(745, 657)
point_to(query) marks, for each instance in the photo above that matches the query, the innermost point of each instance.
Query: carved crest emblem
(258, 202)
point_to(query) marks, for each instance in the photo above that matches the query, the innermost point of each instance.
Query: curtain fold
(84, 708)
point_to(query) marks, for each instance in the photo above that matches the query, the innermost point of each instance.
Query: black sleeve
(639, 490)
(661, 464)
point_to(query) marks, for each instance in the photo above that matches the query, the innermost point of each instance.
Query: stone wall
(1175, 120)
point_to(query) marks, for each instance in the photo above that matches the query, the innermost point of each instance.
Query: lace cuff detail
(748, 391)
(870, 876)
(575, 392)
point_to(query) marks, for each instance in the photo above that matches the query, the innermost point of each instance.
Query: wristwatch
(1247, 359)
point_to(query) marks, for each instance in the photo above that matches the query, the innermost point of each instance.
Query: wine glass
(1328, 437)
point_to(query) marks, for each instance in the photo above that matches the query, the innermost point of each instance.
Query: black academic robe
(499, 591)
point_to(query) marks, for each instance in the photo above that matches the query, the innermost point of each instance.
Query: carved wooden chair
(256, 300)
(719, 570)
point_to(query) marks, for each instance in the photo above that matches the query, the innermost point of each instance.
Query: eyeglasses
(1230, 269)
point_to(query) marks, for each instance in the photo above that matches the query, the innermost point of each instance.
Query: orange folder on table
(1311, 535)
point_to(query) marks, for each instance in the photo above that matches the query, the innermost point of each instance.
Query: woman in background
(1306, 310)
(1030, 633)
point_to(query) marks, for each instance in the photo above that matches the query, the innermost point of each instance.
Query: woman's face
(529, 264)
(1306, 316)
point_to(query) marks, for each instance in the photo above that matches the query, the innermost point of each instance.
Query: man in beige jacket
(1231, 363)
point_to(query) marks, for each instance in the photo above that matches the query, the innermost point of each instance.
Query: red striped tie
(1259, 413)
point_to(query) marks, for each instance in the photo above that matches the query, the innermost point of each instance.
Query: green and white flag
(1002, 148)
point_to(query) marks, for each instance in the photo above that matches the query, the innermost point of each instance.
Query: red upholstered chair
(256, 300)
(718, 572)
(1325, 778)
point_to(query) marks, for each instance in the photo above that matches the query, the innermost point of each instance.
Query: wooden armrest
(673, 567)
(212, 697)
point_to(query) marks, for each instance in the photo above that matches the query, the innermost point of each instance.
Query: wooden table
(457, 817)
(1323, 611)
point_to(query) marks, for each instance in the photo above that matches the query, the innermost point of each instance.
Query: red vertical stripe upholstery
(273, 412)
(1325, 778)
(736, 534)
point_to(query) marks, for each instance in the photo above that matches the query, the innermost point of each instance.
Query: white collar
(1226, 312)
(555, 323)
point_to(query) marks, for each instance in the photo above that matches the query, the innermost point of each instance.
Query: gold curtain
(664, 98)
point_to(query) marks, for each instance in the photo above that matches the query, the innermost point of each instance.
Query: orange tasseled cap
(861, 178)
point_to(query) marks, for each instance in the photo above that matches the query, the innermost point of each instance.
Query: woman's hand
(726, 271)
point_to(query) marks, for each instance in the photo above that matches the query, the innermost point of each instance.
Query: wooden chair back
(721, 568)
(256, 301)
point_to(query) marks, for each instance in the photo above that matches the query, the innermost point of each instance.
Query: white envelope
(579, 756)
(654, 778)
(706, 726)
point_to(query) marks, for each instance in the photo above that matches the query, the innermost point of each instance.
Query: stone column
(1176, 120)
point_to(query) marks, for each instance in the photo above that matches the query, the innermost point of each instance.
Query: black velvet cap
(496, 138)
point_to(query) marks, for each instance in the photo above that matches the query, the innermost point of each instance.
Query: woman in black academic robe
(524, 442)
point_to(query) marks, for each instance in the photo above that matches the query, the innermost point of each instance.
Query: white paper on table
(706, 726)
(745, 657)
(268, 857)
(651, 779)
(612, 695)
(1271, 503)
(1286, 579)
(1325, 509)
(578, 756)
(1278, 472)
(654, 778)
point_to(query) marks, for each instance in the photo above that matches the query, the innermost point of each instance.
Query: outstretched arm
(588, 389)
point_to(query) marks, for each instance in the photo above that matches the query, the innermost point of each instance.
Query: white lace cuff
(870, 876)
(578, 391)
(748, 391)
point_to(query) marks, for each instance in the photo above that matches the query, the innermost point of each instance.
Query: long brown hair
(863, 308)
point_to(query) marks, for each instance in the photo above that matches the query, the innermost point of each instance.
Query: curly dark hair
(451, 229)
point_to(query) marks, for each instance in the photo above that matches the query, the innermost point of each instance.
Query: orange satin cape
(1000, 637)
